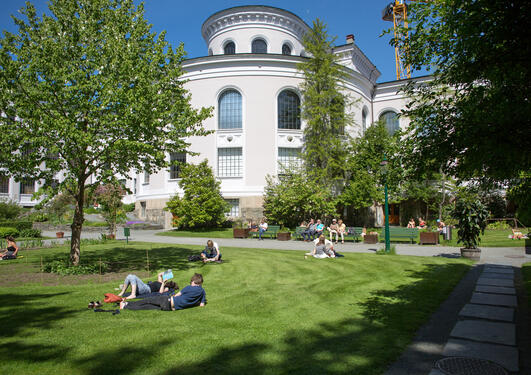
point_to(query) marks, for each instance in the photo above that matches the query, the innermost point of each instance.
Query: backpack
(194, 258)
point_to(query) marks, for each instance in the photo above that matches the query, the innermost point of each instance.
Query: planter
(284, 236)
(370, 238)
(431, 238)
(240, 232)
(473, 254)
(60, 234)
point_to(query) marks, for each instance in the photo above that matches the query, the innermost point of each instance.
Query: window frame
(297, 121)
(233, 112)
(175, 169)
(257, 40)
(225, 167)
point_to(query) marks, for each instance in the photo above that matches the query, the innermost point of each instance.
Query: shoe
(98, 304)
(91, 305)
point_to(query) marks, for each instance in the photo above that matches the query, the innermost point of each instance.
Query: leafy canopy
(474, 115)
(202, 205)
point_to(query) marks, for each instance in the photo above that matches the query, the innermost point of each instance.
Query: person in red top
(422, 223)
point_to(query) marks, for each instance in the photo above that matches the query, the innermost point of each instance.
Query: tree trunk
(77, 224)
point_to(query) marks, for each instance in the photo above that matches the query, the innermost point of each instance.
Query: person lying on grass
(190, 296)
(138, 287)
(211, 252)
(11, 250)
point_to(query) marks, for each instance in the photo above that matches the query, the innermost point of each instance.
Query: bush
(129, 207)
(8, 231)
(499, 225)
(30, 233)
(9, 209)
(472, 217)
(19, 225)
(63, 267)
(91, 210)
(38, 217)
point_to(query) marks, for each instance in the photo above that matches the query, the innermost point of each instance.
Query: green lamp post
(383, 164)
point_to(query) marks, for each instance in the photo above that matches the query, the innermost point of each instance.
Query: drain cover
(468, 366)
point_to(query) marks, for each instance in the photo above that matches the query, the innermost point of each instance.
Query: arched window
(210, 53)
(364, 120)
(230, 110)
(289, 110)
(286, 49)
(390, 119)
(230, 48)
(259, 46)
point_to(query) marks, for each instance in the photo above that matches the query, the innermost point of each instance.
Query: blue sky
(182, 20)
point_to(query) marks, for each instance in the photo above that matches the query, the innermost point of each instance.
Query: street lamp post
(383, 164)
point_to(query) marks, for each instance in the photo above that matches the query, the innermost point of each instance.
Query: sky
(182, 20)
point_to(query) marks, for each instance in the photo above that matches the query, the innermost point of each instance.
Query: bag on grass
(194, 258)
(111, 298)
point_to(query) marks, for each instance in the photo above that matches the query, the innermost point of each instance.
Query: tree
(90, 91)
(294, 197)
(474, 115)
(324, 107)
(109, 196)
(202, 205)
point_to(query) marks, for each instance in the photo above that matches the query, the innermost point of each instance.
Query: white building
(250, 77)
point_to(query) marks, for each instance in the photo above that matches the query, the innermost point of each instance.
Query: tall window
(289, 159)
(230, 162)
(230, 110)
(146, 177)
(289, 110)
(364, 120)
(390, 119)
(230, 48)
(286, 49)
(259, 46)
(4, 185)
(175, 169)
(27, 186)
(234, 207)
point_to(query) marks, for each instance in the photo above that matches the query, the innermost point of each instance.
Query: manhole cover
(514, 256)
(468, 366)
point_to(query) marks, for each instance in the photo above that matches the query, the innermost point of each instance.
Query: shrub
(8, 231)
(19, 225)
(9, 209)
(30, 233)
(129, 207)
(472, 217)
(63, 267)
(499, 225)
(38, 217)
(91, 210)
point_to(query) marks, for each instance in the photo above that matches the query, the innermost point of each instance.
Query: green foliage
(473, 116)
(59, 208)
(495, 204)
(109, 197)
(38, 217)
(9, 209)
(63, 267)
(30, 233)
(324, 107)
(292, 198)
(128, 207)
(520, 193)
(19, 225)
(94, 93)
(471, 217)
(91, 210)
(498, 225)
(202, 205)
(8, 231)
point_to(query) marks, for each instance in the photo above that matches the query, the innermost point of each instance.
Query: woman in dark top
(11, 251)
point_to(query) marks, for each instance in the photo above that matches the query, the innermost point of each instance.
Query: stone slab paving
(494, 299)
(495, 289)
(495, 275)
(495, 282)
(471, 310)
(508, 271)
(505, 356)
(483, 331)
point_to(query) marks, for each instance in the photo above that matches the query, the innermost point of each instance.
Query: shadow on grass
(19, 352)
(349, 346)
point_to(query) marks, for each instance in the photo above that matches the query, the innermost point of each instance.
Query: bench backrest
(299, 230)
(399, 231)
(356, 231)
(273, 228)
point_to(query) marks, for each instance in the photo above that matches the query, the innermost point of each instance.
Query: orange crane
(397, 13)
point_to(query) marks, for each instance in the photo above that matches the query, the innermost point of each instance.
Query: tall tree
(90, 91)
(324, 107)
(474, 115)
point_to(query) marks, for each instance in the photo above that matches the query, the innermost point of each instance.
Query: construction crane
(397, 13)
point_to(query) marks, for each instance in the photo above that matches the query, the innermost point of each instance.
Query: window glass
(175, 170)
(259, 46)
(289, 159)
(230, 110)
(286, 49)
(27, 187)
(146, 177)
(363, 121)
(289, 110)
(230, 48)
(4, 185)
(390, 119)
(234, 207)
(230, 162)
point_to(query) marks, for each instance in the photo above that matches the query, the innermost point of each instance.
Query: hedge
(8, 231)
(20, 225)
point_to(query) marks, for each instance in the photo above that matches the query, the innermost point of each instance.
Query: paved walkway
(477, 320)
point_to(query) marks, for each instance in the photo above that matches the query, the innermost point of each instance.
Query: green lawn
(268, 312)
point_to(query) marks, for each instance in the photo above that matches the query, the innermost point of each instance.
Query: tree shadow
(17, 351)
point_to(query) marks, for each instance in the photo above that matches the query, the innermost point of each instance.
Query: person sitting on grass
(322, 248)
(11, 249)
(138, 287)
(191, 295)
(211, 252)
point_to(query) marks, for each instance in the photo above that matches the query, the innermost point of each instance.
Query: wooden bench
(402, 233)
(271, 232)
(353, 233)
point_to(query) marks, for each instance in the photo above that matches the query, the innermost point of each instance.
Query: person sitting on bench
(11, 250)
(191, 295)
(211, 252)
(138, 287)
